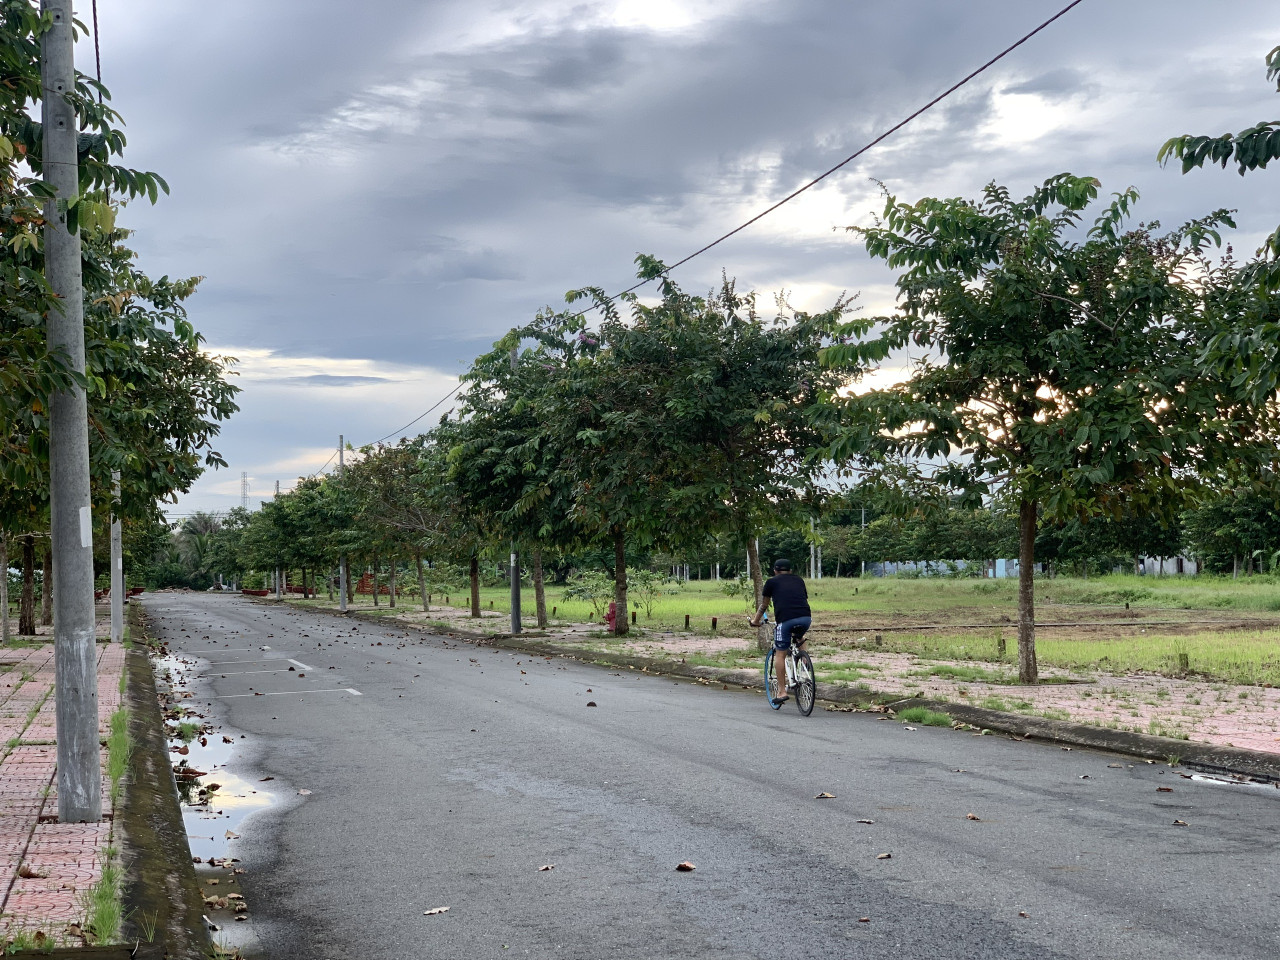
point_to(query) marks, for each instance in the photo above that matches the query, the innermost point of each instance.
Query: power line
(795, 193)
(857, 153)
(420, 416)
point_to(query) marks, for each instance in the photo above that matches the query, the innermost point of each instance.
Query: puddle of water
(214, 801)
(1270, 789)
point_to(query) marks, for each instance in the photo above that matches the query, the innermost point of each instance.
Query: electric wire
(857, 153)
(795, 193)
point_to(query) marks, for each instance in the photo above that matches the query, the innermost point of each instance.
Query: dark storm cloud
(402, 182)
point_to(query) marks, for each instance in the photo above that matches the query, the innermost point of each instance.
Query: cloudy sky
(376, 191)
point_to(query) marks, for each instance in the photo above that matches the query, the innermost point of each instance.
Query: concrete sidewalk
(48, 866)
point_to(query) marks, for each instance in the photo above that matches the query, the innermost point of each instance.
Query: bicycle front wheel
(771, 682)
(806, 685)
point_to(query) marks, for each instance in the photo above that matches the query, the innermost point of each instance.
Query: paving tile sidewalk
(48, 866)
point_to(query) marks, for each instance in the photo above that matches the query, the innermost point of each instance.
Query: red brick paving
(47, 866)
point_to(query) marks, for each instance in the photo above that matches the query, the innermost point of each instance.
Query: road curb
(1231, 761)
(160, 880)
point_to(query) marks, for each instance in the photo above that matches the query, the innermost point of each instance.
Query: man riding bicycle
(790, 612)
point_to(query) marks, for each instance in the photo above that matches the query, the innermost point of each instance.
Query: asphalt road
(457, 772)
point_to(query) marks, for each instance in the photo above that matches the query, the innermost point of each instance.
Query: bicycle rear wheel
(771, 682)
(806, 685)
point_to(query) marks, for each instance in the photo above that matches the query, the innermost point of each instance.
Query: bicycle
(800, 678)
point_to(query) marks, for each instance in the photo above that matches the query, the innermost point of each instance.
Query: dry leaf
(591, 703)
(434, 910)
(265, 779)
(864, 919)
(304, 793)
(1180, 823)
(1164, 789)
(1118, 766)
(866, 821)
(884, 856)
(232, 835)
(825, 796)
(972, 816)
(1023, 913)
(685, 867)
(545, 867)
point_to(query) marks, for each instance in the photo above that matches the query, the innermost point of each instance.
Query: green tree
(1062, 368)
(1250, 149)
(687, 419)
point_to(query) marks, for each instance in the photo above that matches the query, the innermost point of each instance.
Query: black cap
(784, 565)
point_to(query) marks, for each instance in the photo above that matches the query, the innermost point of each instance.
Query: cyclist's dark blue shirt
(790, 598)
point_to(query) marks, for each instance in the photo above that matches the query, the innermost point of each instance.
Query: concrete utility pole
(862, 560)
(342, 557)
(75, 655)
(813, 561)
(515, 554)
(278, 585)
(117, 563)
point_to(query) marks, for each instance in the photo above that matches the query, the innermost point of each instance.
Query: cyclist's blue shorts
(787, 629)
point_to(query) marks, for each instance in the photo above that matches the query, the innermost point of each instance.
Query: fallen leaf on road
(866, 821)
(546, 867)
(434, 910)
(1068, 749)
(1180, 823)
(1084, 776)
(825, 796)
(265, 779)
(232, 835)
(864, 919)
(685, 867)
(591, 703)
(304, 793)
(972, 816)
(884, 856)
(227, 740)
(1023, 913)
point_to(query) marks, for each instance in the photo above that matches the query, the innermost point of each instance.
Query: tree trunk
(621, 622)
(4, 587)
(391, 581)
(539, 590)
(375, 579)
(763, 639)
(46, 587)
(328, 584)
(422, 582)
(27, 605)
(1028, 672)
(475, 586)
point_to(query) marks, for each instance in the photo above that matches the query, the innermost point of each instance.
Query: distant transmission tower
(244, 491)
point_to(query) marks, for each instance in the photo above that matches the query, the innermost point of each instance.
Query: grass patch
(119, 748)
(187, 731)
(103, 910)
(965, 673)
(28, 941)
(925, 717)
